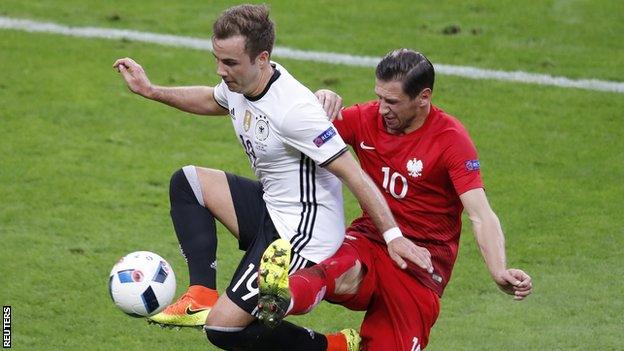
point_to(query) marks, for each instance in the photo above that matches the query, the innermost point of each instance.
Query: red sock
(307, 288)
(310, 285)
(336, 342)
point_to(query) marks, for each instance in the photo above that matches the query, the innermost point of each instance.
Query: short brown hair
(411, 68)
(250, 21)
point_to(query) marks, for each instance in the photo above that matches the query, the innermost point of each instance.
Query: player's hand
(332, 103)
(514, 282)
(401, 249)
(134, 75)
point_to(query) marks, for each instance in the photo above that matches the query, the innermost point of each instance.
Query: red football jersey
(421, 175)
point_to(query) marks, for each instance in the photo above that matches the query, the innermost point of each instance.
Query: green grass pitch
(84, 164)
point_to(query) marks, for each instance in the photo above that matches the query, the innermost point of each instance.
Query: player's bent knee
(210, 175)
(213, 184)
(184, 187)
(348, 282)
(177, 178)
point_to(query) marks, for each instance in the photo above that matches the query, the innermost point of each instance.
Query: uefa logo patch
(324, 137)
(473, 165)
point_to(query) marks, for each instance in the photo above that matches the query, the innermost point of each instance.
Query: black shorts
(255, 231)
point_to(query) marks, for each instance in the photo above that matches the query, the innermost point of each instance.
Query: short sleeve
(462, 161)
(220, 95)
(306, 128)
(346, 126)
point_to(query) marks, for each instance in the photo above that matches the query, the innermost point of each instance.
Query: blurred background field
(85, 165)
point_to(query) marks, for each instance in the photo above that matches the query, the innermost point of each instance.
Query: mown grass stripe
(316, 56)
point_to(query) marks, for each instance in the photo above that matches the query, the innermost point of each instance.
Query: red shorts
(400, 311)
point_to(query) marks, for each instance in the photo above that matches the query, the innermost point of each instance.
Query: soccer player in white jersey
(297, 156)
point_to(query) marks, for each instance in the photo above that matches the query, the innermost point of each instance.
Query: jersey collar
(274, 77)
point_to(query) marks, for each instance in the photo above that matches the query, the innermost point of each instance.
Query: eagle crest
(414, 167)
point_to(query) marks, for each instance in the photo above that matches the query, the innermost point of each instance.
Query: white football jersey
(288, 138)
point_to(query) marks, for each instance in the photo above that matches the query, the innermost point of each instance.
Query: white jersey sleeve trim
(220, 95)
(334, 157)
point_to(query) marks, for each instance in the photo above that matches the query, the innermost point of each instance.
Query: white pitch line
(316, 56)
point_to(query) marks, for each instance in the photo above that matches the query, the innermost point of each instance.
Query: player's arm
(372, 201)
(194, 99)
(491, 241)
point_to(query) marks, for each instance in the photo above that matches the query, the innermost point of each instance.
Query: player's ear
(263, 58)
(425, 97)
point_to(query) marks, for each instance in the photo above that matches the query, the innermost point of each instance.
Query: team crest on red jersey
(414, 167)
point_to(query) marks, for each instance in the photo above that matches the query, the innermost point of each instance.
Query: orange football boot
(190, 310)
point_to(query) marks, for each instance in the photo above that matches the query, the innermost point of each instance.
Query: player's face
(240, 73)
(398, 110)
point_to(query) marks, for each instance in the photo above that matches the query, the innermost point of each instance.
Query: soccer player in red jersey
(427, 166)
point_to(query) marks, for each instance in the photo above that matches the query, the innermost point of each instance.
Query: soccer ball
(142, 283)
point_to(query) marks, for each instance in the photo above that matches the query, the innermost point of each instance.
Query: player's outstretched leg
(274, 297)
(196, 231)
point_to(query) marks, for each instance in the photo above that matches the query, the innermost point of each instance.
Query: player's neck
(419, 120)
(263, 81)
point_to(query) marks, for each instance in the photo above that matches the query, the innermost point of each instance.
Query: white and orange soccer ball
(142, 283)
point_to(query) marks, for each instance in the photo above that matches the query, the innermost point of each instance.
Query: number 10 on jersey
(389, 183)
